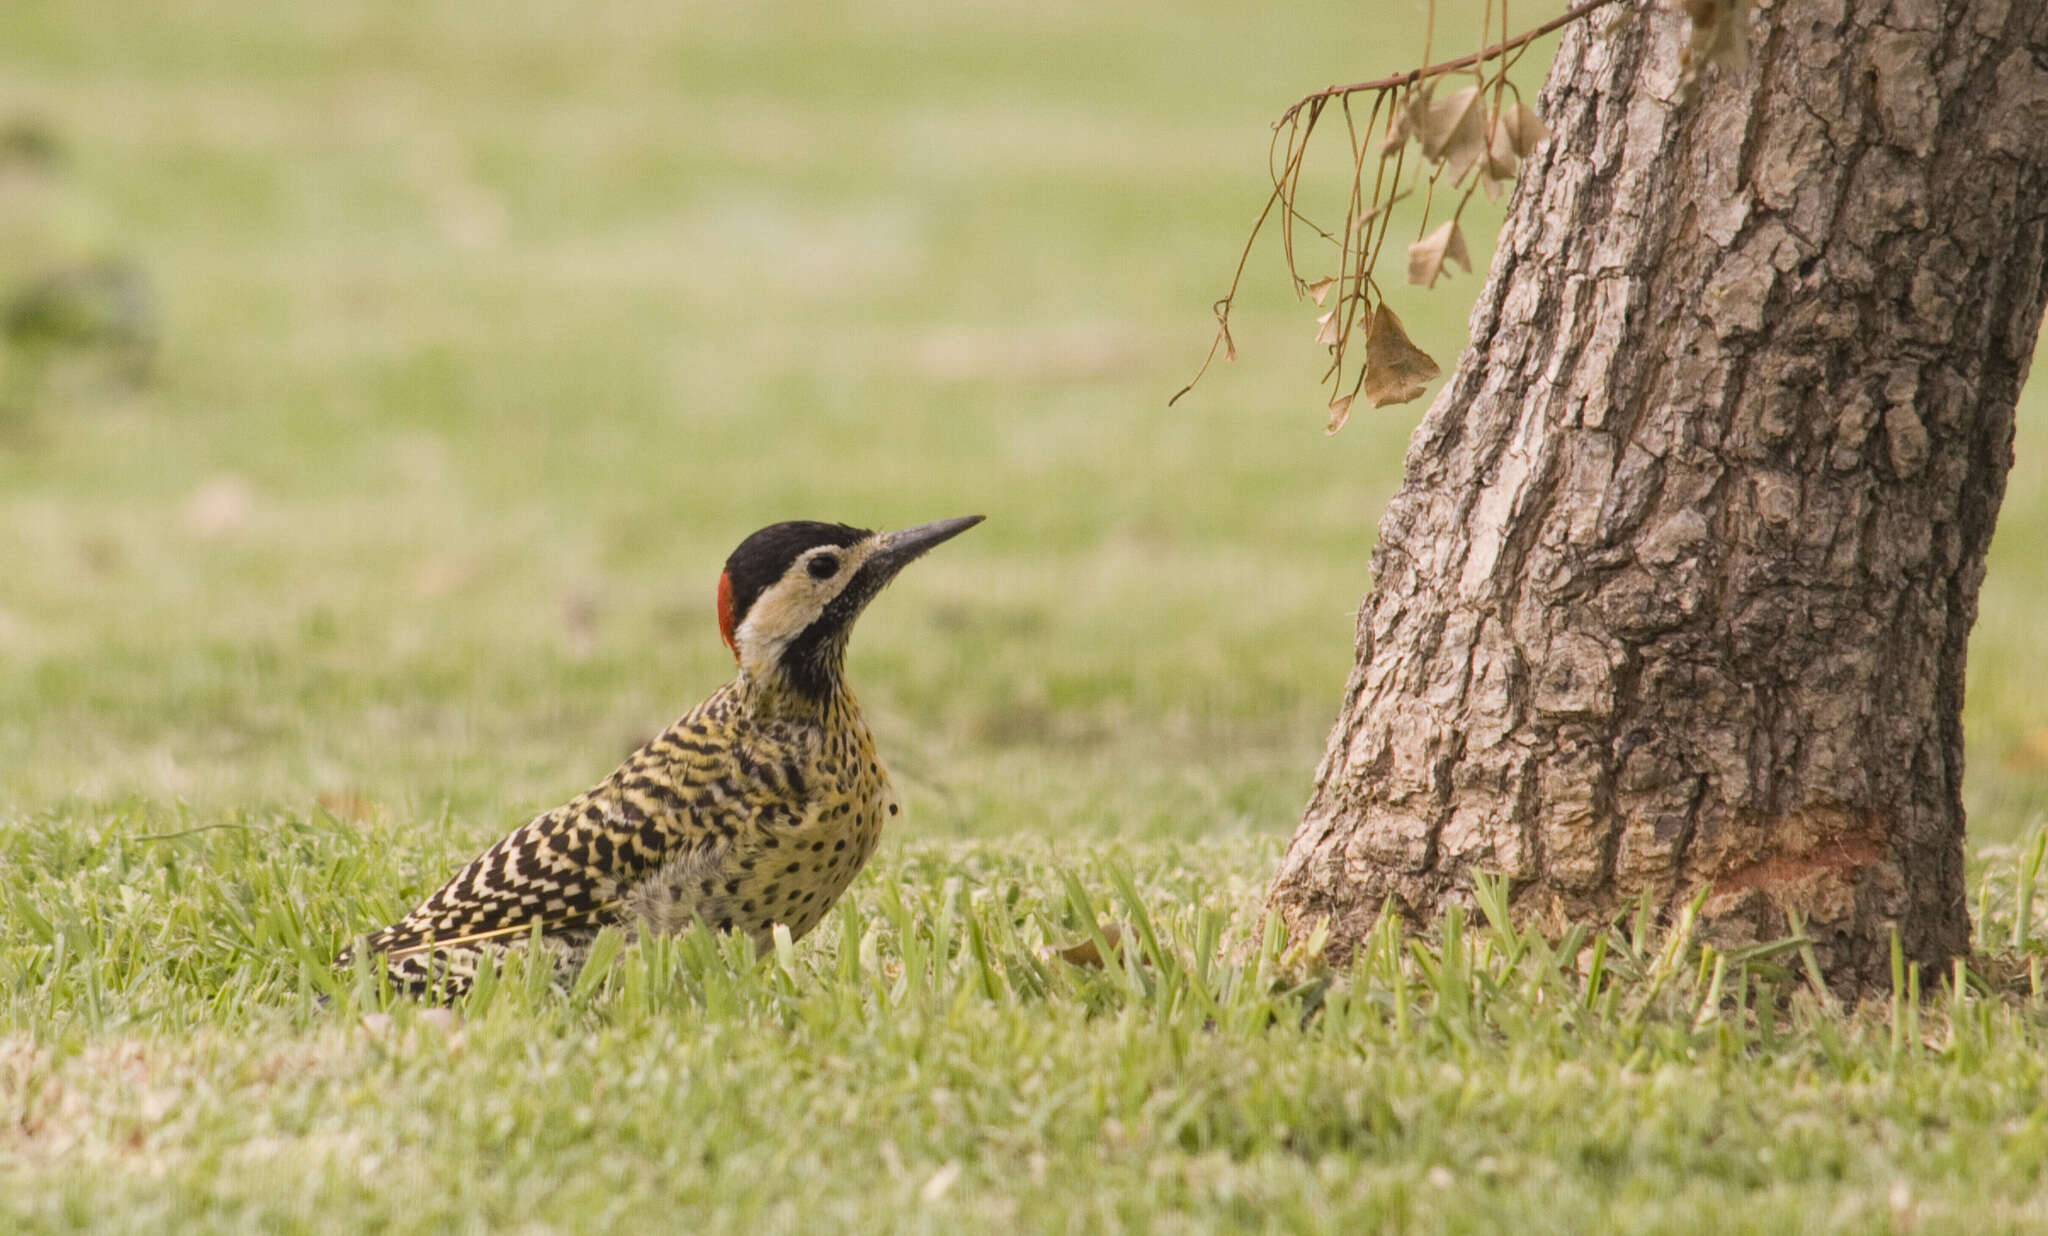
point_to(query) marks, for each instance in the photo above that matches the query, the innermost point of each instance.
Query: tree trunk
(1678, 586)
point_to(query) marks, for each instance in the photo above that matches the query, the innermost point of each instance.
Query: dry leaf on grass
(343, 805)
(1086, 954)
(2030, 754)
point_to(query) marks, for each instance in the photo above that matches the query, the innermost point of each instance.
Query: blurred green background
(486, 333)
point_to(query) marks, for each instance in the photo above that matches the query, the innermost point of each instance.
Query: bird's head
(790, 593)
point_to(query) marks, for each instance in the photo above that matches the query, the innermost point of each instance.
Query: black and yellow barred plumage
(756, 808)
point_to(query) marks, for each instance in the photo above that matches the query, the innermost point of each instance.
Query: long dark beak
(900, 549)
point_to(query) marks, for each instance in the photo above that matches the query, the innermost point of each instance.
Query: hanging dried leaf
(1426, 257)
(1340, 411)
(1401, 126)
(1453, 132)
(1524, 128)
(1320, 289)
(1327, 329)
(1501, 157)
(1395, 369)
(1450, 122)
(1501, 162)
(1464, 160)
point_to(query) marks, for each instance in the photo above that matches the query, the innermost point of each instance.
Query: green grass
(930, 1061)
(486, 340)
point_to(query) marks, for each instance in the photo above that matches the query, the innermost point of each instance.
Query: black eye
(824, 566)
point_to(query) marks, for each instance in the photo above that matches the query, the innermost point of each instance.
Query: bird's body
(757, 808)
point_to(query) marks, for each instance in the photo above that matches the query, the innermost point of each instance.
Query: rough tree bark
(1677, 588)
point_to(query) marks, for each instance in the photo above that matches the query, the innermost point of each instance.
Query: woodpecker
(758, 807)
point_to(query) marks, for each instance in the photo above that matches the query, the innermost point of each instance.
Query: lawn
(485, 339)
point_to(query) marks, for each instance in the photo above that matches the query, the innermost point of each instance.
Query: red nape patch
(725, 613)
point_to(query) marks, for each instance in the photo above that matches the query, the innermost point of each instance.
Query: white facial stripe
(791, 604)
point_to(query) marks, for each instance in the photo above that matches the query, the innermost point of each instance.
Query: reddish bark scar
(1786, 869)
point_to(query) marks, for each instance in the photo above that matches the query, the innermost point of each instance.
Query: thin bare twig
(1222, 307)
(1449, 66)
(1368, 220)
